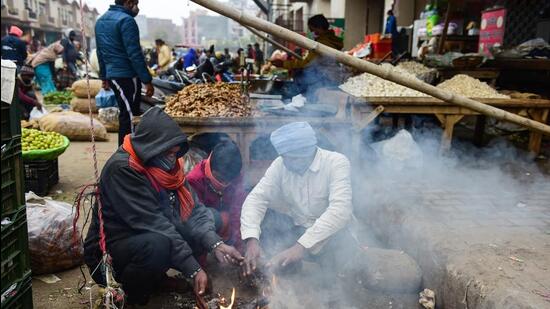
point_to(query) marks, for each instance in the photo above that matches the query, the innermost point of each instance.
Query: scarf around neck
(172, 180)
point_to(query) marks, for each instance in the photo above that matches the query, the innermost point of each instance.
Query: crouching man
(152, 220)
(300, 206)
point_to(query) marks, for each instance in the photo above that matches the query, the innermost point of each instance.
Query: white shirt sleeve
(339, 211)
(257, 202)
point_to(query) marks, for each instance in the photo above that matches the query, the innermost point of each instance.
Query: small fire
(232, 301)
(268, 290)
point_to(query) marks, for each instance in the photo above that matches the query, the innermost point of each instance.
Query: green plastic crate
(19, 294)
(11, 122)
(13, 191)
(15, 248)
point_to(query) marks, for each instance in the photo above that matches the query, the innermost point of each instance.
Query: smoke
(411, 184)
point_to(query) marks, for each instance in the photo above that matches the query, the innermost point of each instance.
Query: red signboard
(492, 29)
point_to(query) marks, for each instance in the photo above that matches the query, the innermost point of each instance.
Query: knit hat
(16, 31)
(292, 137)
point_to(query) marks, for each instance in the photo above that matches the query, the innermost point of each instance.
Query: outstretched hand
(227, 254)
(251, 256)
(289, 256)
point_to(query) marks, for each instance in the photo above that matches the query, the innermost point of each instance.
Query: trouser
(44, 77)
(140, 263)
(280, 233)
(128, 96)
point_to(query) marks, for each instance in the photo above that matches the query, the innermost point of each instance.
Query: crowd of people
(51, 67)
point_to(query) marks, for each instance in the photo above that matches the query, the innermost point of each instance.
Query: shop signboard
(492, 29)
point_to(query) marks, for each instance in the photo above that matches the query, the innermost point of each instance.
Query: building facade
(47, 20)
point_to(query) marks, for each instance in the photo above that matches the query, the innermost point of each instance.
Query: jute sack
(81, 105)
(75, 126)
(80, 90)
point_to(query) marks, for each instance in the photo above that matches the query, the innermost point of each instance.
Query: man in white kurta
(310, 185)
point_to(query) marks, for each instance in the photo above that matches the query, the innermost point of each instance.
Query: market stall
(449, 115)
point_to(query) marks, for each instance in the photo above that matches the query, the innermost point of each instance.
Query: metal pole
(365, 66)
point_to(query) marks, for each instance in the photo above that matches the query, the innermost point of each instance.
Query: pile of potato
(208, 100)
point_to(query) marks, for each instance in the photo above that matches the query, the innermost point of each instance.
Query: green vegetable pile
(38, 140)
(58, 97)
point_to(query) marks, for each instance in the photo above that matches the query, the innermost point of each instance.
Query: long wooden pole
(365, 66)
(270, 40)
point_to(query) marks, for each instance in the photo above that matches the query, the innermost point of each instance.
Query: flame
(232, 301)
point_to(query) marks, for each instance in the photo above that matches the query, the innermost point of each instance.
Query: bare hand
(228, 254)
(289, 256)
(149, 90)
(200, 282)
(251, 257)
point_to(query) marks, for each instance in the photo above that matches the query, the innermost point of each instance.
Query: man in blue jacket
(121, 61)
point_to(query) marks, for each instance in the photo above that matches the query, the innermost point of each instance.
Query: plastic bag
(73, 125)
(53, 246)
(105, 98)
(109, 117)
(37, 114)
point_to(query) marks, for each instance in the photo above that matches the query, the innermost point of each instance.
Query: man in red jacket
(218, 183)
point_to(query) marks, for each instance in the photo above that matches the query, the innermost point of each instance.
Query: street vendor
(218, 183)
(315, 71)
(152, 220)
(301, 207)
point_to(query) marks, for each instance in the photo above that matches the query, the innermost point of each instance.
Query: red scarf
(218, 185)
(173, 180)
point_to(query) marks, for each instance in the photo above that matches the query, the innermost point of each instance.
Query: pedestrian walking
(121, 60)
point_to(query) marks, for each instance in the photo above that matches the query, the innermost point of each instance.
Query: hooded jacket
(118, 47)
(131, 205)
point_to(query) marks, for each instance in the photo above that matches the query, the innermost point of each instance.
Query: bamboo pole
(270, 40)
(365, 66)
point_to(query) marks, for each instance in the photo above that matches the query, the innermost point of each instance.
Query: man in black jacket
(151, 223)
(13, 48)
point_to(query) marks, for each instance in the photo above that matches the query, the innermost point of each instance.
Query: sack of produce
(53, 246)
(80, 88)
(58, 97)
(73, 125)
(81, 105)
(109, 117)
(105, 98)
(38, 145)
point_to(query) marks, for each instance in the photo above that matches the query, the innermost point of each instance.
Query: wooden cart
(364, 110)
